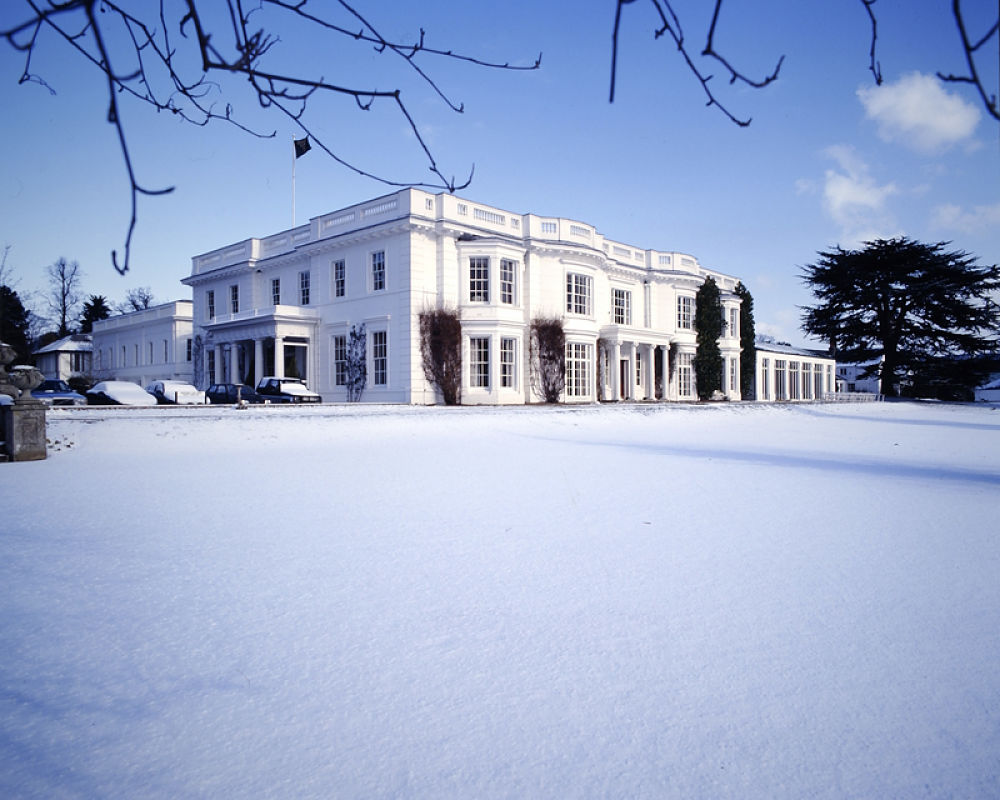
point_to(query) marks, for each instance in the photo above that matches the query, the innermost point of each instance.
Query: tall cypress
(708, 322)
(748, 348)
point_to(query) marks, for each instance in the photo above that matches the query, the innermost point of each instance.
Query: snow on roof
(75, 342)
(787, 349)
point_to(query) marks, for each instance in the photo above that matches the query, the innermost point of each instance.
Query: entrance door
(625, 379)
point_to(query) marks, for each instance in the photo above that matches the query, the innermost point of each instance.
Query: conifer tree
(708, 326)
(903, 301)
(748, 348)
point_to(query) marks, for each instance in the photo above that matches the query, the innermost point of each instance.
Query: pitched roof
(75, 342)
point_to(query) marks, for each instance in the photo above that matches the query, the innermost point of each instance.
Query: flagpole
(295, 158)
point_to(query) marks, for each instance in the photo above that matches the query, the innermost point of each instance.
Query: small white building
(863, 377)
(286, 303)
(69, 357)
(793, 374)
(990, 391)
(143, 346)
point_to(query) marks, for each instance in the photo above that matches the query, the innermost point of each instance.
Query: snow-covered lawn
(357, 602)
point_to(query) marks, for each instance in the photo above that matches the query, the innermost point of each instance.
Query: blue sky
(828, 159)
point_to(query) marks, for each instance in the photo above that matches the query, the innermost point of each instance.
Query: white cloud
(976, 220)
(854, 200)
(917, 111)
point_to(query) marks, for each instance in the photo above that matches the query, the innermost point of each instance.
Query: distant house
(69, 357)
(861, 377)
(792, 374)
(990, 391)
(143, 346)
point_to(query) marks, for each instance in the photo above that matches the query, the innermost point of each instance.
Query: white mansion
(285, 304)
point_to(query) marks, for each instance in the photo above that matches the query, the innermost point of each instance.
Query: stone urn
(22, 424)
(24, 379)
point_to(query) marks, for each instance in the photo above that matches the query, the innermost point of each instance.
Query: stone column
(279, 357)
(616, 371)
(632, 351)
(217, 376)
(258, 361)
(650, 372)
(234, 363)
(665, 377)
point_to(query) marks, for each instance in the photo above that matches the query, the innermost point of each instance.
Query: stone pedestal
(24, 424)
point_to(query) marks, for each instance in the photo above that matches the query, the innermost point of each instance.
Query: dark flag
(302, 146)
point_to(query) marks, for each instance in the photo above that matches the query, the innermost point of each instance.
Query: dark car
(57, 393)
(232, 393)
(286, 390)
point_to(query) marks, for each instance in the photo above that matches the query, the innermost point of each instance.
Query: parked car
(57, 393)
(175, 393)
(232, 393)
(286, 390)
(119, 393)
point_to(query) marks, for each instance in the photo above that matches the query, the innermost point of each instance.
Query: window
(479, 279)
(124, 361)
(187, 347)
(340, 360)
(211, 364)
(780, 390)
(734, 375)
(508, 362)
(164, 351)
(380, 357)
(79, 362)
(275, 291)
(734, 322)
(150, 353)
(339, 278)
(304, 288)
(234, 298)
(210, 303)
(578, 293)
(577, 369)
(829, 378)
(378, 271)
(685, 374)
(806, 381)
(685, 312)
(818, 382)
(479, 362)
(622, 307)
(793, 380)
(765, 366)
(508, 278)
(136, 363)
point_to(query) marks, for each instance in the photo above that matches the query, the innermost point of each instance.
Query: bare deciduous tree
(356, 364)
(64, 292)
(548, 358)
(137, 299)
(441, 352)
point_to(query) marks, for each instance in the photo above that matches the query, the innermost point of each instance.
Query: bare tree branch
(174, 46)
(874, 65)
(670, 24)
(971, 49)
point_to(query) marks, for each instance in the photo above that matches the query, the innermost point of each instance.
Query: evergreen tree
(14, 323)
(903, 300)
(748, 338)
(708, 322)
(96, 308)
